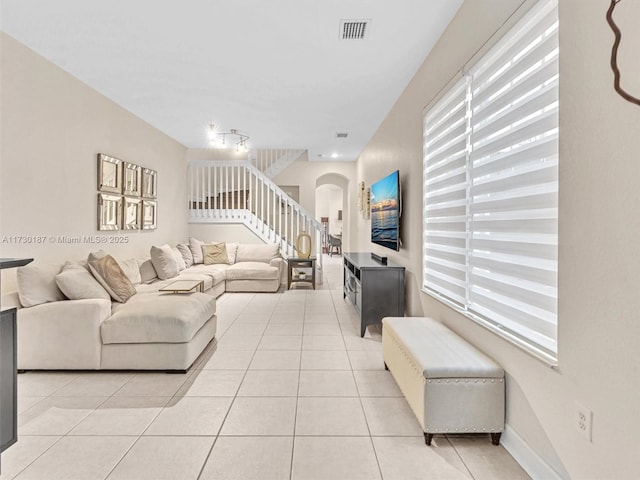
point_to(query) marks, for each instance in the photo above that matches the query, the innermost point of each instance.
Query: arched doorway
(332, 204)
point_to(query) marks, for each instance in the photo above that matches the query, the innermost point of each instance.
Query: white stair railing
(237, 192)
(272, 161)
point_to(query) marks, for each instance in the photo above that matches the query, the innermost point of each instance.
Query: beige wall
(53, 126)
(599, 264)
(306, 174)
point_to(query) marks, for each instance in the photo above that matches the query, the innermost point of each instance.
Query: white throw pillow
(131, 269)
(147, 271)
(181, 264)
(187, 256)
(165, 262)
(37, 284)
(77, 283)
(195, 246)
(232, 251)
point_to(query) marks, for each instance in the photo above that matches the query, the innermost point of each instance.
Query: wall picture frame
(132, 179)
(149, 183)
(109, 211)
(131, 213)
(109, 174)
(149, 214)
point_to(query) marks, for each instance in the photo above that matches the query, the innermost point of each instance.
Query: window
(491, 187)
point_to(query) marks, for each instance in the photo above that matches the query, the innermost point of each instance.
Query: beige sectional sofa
(69, 319)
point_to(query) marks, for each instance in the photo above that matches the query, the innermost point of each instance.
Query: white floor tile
(327, 383)
(149, 384)
(191, 416)
(335, 458)
(323, 342)
(249, 458)
(391, 416)
(321, 329)
(281, 342)
(330, 416)
(164, 458)
(95, 384)
(283, 329)
(269, 383)
(42, 384)
(324, 360)
(212, 383)
(485, 460)
(408, 458)
(260, 416)
(238, 342)
(17, 457)
(121, 416)
(376, 383)
(276, 360)
(56, 415)
(364, 360)
(227, 360)
(78, 458)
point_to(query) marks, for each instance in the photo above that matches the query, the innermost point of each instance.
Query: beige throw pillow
(77, 283)
(214, 253)
(109, 274)
(165, 262)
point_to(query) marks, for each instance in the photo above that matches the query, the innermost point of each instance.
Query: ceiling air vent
(353, 29)
(342, 135)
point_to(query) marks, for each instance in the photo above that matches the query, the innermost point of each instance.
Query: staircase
(272, 161)
(237, 192)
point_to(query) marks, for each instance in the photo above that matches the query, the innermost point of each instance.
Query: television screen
(385, 211)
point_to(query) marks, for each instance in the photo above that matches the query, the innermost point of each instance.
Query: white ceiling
(276, 70)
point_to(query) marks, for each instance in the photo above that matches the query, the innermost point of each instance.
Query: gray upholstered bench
(450, 385)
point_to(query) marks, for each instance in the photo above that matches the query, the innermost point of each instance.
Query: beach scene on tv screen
(385, 211)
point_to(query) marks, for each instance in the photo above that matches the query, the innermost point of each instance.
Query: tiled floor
(289, 391)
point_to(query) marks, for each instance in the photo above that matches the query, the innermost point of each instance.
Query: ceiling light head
(235, 138)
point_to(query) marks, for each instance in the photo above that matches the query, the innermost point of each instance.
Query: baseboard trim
(529, 460)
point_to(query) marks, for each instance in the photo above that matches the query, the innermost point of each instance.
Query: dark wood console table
(375, 290)
(9, 367)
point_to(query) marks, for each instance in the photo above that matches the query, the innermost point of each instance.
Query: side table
(301, 263)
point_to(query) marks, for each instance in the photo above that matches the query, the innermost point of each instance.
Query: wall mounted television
(386, 208)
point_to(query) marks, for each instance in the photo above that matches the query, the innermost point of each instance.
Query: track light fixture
(230, 139)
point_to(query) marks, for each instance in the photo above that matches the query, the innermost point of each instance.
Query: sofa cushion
(214, 253)
(257, 252)
(181, 263)
(195, 246)
(207, 281)
(216, 272)
(252, 271)
(232, 252)
(148, 272)
(164, 261)
(131, 269)
(109, 274)
(37, 284)
(187, 256)
(158, 318)
(77, 283)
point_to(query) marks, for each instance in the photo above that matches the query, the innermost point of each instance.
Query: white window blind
(446, 138)
(502, 268)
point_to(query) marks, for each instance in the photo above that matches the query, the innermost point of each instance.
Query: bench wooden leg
(495, 438)
(427, 438)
